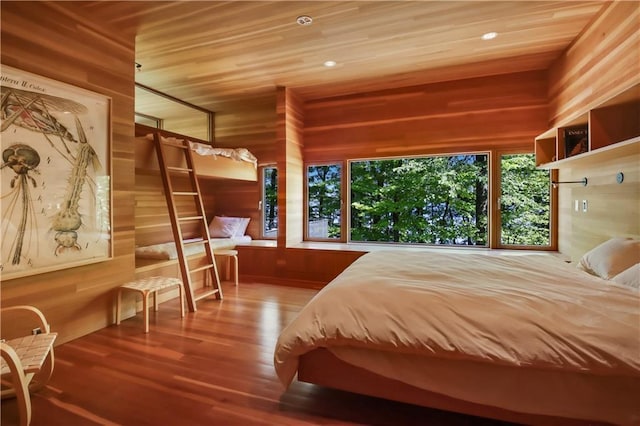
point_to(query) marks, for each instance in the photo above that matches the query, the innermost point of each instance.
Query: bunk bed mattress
(168, 251)
(209, 162)
(238, 154)
(466, 325)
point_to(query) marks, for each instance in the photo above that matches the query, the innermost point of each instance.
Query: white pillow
(611, 257)
(223, 227)
(629, 277)
(242, 226)
(227, 227)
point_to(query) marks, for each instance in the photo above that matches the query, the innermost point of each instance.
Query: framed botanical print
(55, 175)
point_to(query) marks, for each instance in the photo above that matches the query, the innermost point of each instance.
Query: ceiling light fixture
(304, 20)
(330, 64)
(489, 36)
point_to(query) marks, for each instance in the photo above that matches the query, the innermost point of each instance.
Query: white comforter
(515, 311)
(238, 154)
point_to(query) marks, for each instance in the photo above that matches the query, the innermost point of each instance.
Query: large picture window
(431, 200)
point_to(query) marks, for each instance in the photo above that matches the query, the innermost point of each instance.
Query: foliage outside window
(269, 202)
(524, 202)
(324, 201)
(432, 200)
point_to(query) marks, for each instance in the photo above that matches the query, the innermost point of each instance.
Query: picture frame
(55, 175)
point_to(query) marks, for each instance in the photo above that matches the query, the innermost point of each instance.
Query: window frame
(493, 211)
(343, 225)
(496, 219)
(261, 173)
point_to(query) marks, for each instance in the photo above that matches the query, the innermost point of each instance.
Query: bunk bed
(156, 252)
(210, 162)
(523, 338)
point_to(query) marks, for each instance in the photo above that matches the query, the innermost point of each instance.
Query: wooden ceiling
(210, 52)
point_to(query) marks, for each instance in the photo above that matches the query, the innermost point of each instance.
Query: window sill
(365, 247)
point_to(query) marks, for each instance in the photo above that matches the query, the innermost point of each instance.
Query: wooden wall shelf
(616, 150)
(613, 131)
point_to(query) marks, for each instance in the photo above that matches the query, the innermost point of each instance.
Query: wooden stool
(230, 254)
(146, 287)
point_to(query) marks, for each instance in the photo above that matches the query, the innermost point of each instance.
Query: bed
(525, 338)
(168, 251)
(210, 162)
(226, 232)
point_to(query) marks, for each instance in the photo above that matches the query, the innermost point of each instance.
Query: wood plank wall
(249, 123)
(613, 209)
(290, 144)
(505, 112)
(51, 40)
(233, 198)
(289, 162)
(604, 60)
(304, 268)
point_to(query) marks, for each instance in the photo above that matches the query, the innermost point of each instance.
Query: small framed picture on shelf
(576, 140)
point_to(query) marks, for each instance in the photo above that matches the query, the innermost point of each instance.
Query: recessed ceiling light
(330, 64)
(304, 20)
(489, 36)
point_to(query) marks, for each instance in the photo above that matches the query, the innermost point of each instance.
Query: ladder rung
(193, 243)
(201, 268)
(179, 169)
(189, 218)
(200, 296)
(174, 144)
(184, 193)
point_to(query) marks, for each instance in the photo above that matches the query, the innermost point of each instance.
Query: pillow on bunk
(242, 226)
(227, 227)
(223, 227)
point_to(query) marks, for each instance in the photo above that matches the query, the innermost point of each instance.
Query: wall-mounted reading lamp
(583, 181)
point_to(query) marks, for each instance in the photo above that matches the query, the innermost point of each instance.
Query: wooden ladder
(164, 148)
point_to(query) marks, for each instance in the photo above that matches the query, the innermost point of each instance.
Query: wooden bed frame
(321, 367)
(217, 167)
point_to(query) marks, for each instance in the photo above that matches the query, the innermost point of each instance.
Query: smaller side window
(324, 201)
(525, 202)
(269, 202)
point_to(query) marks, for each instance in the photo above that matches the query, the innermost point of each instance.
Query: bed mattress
(526, 333)
(168, 251)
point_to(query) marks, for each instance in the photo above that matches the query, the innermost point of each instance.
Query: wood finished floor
(214, 367)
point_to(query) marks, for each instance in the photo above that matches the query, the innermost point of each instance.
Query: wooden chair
(27, 355)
